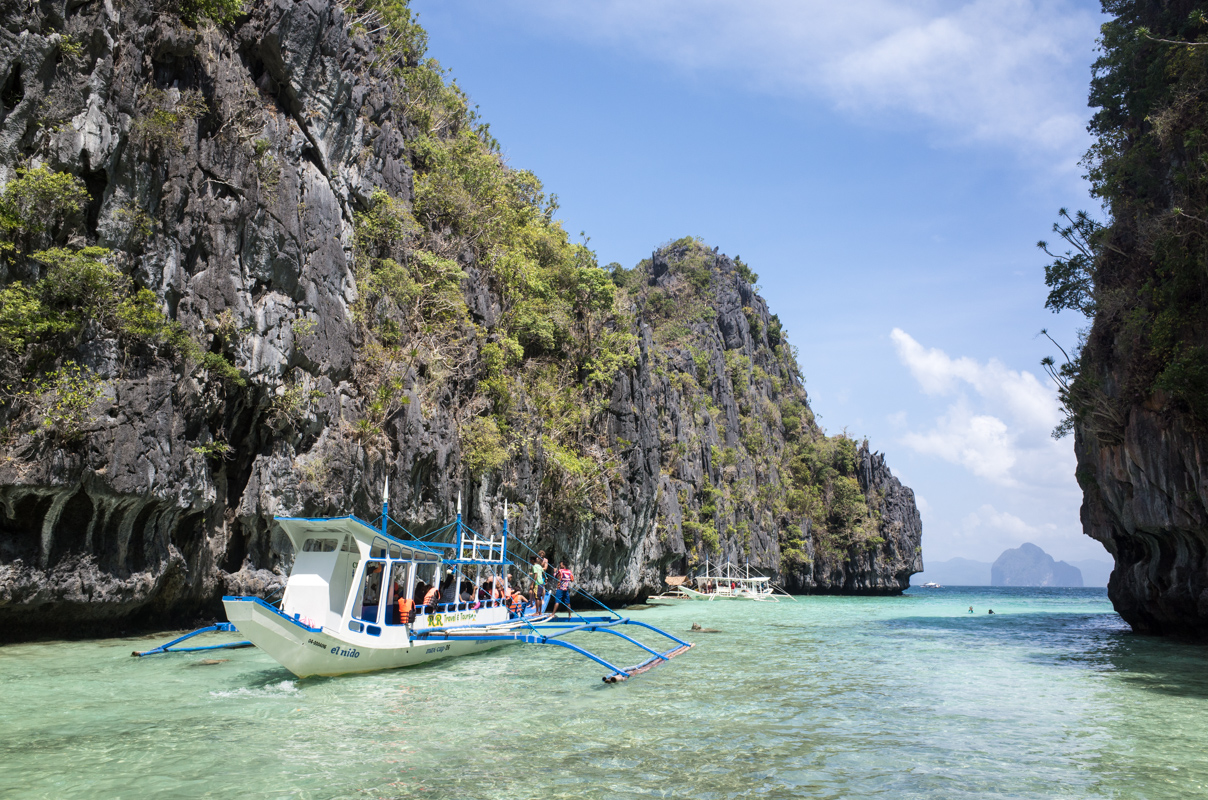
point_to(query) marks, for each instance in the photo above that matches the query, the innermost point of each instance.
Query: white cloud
(979, 442)
(1002, 71)
(1029, 400)
(996, 423)
(988, 519)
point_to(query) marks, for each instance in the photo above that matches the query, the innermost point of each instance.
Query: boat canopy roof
(730, 572)
(299, 529)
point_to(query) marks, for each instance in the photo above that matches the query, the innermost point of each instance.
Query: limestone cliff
(1136, 393)
(302, 290)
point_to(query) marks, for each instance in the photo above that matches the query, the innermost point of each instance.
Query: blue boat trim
(274, 609)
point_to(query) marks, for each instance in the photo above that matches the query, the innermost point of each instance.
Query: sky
(885, 167)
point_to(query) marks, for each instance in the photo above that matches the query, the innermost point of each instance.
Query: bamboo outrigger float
(350, 603)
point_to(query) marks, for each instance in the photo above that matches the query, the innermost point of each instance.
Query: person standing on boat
(564, 578)
(538, 582)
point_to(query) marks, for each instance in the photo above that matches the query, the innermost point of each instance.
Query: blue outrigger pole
(170, 647)
(550, 632)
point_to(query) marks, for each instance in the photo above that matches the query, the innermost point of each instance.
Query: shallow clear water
(826, 697)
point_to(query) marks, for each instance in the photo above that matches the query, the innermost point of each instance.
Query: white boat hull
(758, 597)
(307, 651)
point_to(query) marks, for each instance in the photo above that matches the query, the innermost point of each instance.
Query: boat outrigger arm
(355, 602)
(551, 632)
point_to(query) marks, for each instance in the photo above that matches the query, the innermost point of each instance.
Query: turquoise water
(826, 697)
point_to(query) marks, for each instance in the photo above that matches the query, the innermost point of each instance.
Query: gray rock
(141, 525)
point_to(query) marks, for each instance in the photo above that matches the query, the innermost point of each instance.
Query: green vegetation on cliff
(779, 471)
(463, 309)
(1142, 276)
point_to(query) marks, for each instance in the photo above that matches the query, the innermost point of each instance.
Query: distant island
(1028, 565)
(970, 572)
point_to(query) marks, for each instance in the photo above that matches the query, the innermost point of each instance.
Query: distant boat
(932, 585)
(727, 583)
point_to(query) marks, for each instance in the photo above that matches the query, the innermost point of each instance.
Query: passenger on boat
(538, 581)
(467, 592)
(484, 589)
(516, 603)
(421, 589)
(564, 578)
(431, 594)
(448, 589)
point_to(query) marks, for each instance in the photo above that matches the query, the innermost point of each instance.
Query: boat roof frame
(724, 570)
(430, 548)
(367, 536)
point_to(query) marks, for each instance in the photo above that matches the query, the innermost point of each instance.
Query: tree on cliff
(1142, 277)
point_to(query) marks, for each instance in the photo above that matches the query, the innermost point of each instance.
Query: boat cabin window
(319, 546)
(395, 551)
(398, 591)
(378, 548)
(427, 573)
(370, 593)
(349, 545)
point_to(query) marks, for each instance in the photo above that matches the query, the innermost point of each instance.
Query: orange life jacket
(406, 610)
(430, 597)
(517, 603)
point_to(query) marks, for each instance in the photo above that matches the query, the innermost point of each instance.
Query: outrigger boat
(725, 584)
(350, 604)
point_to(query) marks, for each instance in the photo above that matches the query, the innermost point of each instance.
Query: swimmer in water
(970, 609)
(991, 611)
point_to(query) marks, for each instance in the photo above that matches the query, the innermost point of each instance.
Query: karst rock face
(143, 521)
(1145, 497)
